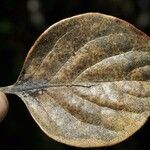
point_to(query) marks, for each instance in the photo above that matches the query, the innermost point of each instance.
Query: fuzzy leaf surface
(86, 80)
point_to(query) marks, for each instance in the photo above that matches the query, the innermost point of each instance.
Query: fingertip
(3, 105)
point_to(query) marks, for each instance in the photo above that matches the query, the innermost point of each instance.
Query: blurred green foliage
(21, 22)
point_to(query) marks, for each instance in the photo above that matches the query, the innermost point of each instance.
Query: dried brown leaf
(86, 80)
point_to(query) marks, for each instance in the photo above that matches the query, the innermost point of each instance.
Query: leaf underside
(86, 80)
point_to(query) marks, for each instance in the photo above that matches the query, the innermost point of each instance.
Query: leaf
(86, 80)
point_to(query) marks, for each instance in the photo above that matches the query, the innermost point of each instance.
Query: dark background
(21, 22)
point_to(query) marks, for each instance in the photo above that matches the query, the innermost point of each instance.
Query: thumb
(3, 106)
